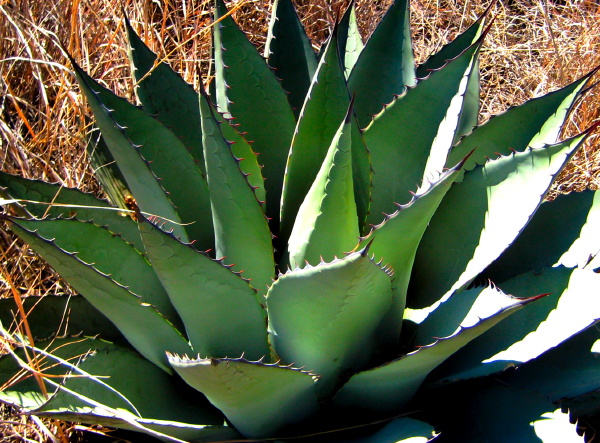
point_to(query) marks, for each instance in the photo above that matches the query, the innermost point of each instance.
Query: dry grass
(535, 46)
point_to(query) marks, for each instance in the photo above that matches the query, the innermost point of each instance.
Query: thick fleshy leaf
(478, 410)
(325, 108)
(350, 43)
(242, 234)
(563, 230)
(570, 307)
(533, 124)
(143, 326)
(166, 95)
(405, 150)
(221, 312)
(109, 254)
(470, 109)
(248, 91)
(395, 243)
(289, 52)
(495, 201)
(112, 386)
(392, 386)
(324, 317)
(400, 430)
(386, 64)
(257, 398)
(76, 204)
(59, 315)
(160, 172)
(326, 225)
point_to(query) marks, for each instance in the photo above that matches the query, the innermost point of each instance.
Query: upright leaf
(470, 112)
(166, 95)
(350, 43)
(248, 91)
(326, 225)
(386, 64)
(395, 243)
(401, 144)
(325, 108)
(242, 233)
(289, 52)
(160, 172)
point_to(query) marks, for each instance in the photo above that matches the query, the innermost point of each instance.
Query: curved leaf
(109, 254)
(221, 312)
(496, 201)
(564, 230)
(324, 317)
(569, 308)
(257, 398)
(84, 206)
(392, 386)
(406, 150)
(143, 326)
(532, 124)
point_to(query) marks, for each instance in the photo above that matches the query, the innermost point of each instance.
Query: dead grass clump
(535, 46)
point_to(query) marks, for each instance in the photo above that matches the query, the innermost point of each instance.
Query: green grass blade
(324, 318)
(143, 326)
(166, 95)
(392, 386)
(160, 172)
(326, 225)
(289, 52)
(385, 66)
(535, 123)
(499, 199)
(257, 398)
(84, 209)
(350, 43)
(221, 312)
(241, 228)
(406, 149)
(248, 90)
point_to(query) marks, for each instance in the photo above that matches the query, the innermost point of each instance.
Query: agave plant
(354, 217)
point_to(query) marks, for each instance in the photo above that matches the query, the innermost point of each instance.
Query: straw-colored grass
(535, 46)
